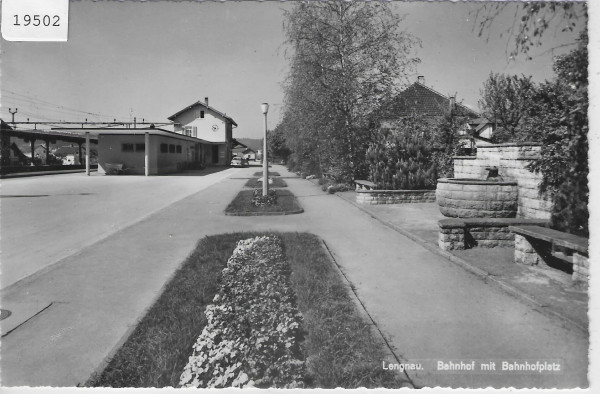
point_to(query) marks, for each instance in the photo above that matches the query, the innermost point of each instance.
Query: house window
(187, 130)
(164, 148)
(195, 131)
(178, 148)
(127, 147)
(171, 148)
(202, 114)
(140, 147)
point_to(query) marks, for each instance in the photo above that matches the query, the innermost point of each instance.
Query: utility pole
(265, 108)
(13, 114)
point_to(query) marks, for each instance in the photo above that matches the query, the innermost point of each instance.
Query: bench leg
(451, 238)
(581, 268)
(525, 252)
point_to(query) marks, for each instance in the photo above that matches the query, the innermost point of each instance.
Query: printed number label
(37, 20)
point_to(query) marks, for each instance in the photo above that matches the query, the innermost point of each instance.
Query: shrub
(332, 186)
(401, 158)
(253, 331)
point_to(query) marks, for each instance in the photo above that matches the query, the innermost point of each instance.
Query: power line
(39, 104)
(36, 100)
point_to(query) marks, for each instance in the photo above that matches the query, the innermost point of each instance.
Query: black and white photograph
(297, 194)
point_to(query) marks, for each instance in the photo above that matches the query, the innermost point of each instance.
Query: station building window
(164, 148)
(127, 147)
(140, 147)
(178, 148)
(171, 148)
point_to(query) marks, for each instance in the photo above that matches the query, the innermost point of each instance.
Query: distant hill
(252, 143)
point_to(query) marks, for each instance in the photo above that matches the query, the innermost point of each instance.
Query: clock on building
(215, 127)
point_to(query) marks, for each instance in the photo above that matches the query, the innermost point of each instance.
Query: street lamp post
(265, 108)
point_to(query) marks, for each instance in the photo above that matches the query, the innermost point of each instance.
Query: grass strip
(254, 182)
(158, 349)
(339, 347)
(271, 173)
(242, 205)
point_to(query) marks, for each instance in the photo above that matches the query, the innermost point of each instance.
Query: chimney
(206, 101)
(421, 79)
(452, 104)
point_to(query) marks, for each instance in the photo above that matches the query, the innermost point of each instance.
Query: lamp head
(265, 108)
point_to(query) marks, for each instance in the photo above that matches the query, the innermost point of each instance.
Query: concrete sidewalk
(550, 290)
(429, 309)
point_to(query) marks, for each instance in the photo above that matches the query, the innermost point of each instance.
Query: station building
(208, 124)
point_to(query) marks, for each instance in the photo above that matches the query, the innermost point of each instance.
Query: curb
(486, 276)
(42, 173)
(362, 310)
(264, 213)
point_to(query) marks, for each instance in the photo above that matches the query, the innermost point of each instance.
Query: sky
(150, 59)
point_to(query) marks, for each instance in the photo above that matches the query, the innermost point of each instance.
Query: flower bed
(258, 200)
(247, 203)
(252, 334)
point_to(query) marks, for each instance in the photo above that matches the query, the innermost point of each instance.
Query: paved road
(429, 308)
(47, 218)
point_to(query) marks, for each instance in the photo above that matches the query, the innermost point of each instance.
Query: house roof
(66, 150)
(419, 99)
(202, 104)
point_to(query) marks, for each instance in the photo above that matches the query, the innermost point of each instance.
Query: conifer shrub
(401, 158)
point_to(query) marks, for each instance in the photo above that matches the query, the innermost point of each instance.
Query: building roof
(252, 143)
(67, 150)
(67, 135)
(204, 105)
(138, 131)
(419, 99)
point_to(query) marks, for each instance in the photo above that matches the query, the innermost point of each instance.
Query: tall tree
(506, 100)
(531, 21)
(560, 118)
(276, 143)
(346, 57)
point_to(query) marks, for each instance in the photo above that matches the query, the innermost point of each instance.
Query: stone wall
(512, 160)
(394, 196)
(459, 234)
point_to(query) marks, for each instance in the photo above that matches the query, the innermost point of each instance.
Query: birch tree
(346, 58)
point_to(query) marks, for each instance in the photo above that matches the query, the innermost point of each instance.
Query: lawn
(339, 348)
(277, 182)
(242, 204)
(271, 173)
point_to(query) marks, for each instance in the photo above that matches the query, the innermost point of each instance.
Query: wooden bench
(535, 245)
(364, 185)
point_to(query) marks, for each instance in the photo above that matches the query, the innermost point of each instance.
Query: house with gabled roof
(422, 100)
(199, 120)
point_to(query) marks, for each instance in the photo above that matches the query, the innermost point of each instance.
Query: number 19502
(37, 20)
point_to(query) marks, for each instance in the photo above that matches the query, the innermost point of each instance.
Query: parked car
(239, 162)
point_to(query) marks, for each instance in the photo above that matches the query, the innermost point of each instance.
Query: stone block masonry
(581, 268)
(512, 161)
(459, 234)
(394, 196)
(525, 252)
